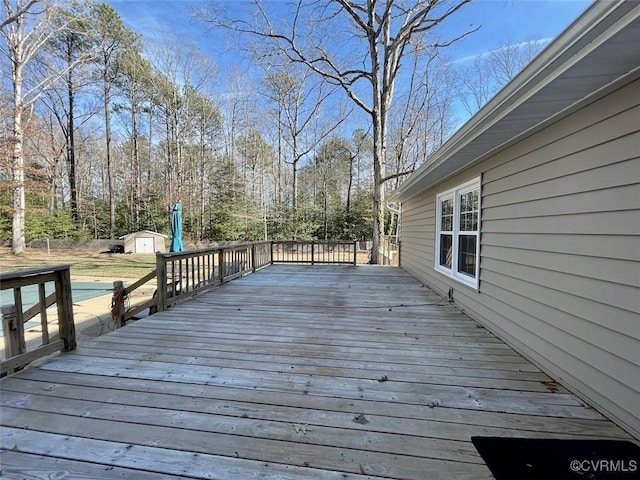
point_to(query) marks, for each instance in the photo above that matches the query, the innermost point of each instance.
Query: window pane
(465, 204)
(469, 211)
(447, 207)
(466, 222)
(467, 254)
(446, 223)
(446, 251)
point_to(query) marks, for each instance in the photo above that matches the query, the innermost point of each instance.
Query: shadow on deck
(296, 372)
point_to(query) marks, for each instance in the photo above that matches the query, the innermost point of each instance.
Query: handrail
(183, 275)
(316, 252)
(14, 316)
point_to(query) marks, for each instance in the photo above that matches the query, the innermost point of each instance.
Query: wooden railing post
(64, 300)
(19, 322)
(253, 257)
(161, 279)
(271, 262)
(313, 260)
(117, 303)
(14, 316)
(14, 343)
(221, 266)
(355, 252)
(44, 322)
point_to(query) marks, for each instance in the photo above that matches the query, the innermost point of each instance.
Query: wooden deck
(294, 372)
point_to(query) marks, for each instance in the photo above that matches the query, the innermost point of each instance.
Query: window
(458, 232)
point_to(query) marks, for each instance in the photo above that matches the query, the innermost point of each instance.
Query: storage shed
(528, 217)
(144, 241)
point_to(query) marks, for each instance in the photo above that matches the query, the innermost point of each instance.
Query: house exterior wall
(559, 250)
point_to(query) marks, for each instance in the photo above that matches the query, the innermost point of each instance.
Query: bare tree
(207, 121)
(180, 67)
(510, 57)
(44, 146)
(299, 102)
(332, 166)
(111, 37)
(423, 118)
(70, 48)
(134, 85)
(474, 85)
(29, 25)
(14, 14)
(379, 34)
(238, 106)
(492, 70)
(360, 142)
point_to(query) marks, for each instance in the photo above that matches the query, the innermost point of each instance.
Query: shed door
(144, 245)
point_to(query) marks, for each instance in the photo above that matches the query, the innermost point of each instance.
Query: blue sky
(515, 20)
(500, 20)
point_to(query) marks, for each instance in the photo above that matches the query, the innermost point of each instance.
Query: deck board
(293, 372)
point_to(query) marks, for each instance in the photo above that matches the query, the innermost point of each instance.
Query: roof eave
(592, 29)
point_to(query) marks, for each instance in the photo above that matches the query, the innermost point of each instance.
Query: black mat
(552, 459)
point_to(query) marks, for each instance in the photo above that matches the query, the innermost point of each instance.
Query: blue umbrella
(176, 228)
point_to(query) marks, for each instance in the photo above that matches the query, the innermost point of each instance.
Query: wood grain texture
(293, 372)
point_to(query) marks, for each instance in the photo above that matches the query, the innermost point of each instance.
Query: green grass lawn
(111, 266)
(87, 263)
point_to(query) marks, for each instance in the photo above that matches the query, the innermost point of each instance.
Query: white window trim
(455, 193)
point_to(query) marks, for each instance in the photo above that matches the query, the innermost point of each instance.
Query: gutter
(392, 210)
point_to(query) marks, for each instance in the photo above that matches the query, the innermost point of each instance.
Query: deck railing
(390, 251)
(182, 275)
(314, 252)
(15, 316)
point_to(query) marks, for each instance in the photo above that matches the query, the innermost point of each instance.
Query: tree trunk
(349, 186)
(203, 156)
(326, 213)
(294, 179)
(107, 125)
(150, 154)
(18, 240)
(179, 164)
(377, 119)
(169, 166)
(71, 150)
(137, 181)
(378, 189)
(279, 179)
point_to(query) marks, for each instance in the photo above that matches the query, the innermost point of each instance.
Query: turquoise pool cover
(80, 291)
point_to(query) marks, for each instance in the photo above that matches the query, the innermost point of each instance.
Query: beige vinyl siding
(418, 236)
(559, 250)
(618, 246)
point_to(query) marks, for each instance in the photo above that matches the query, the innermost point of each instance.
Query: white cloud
(542, 42)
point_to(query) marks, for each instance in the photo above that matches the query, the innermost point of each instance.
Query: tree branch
(396, 175)
(14, 16)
